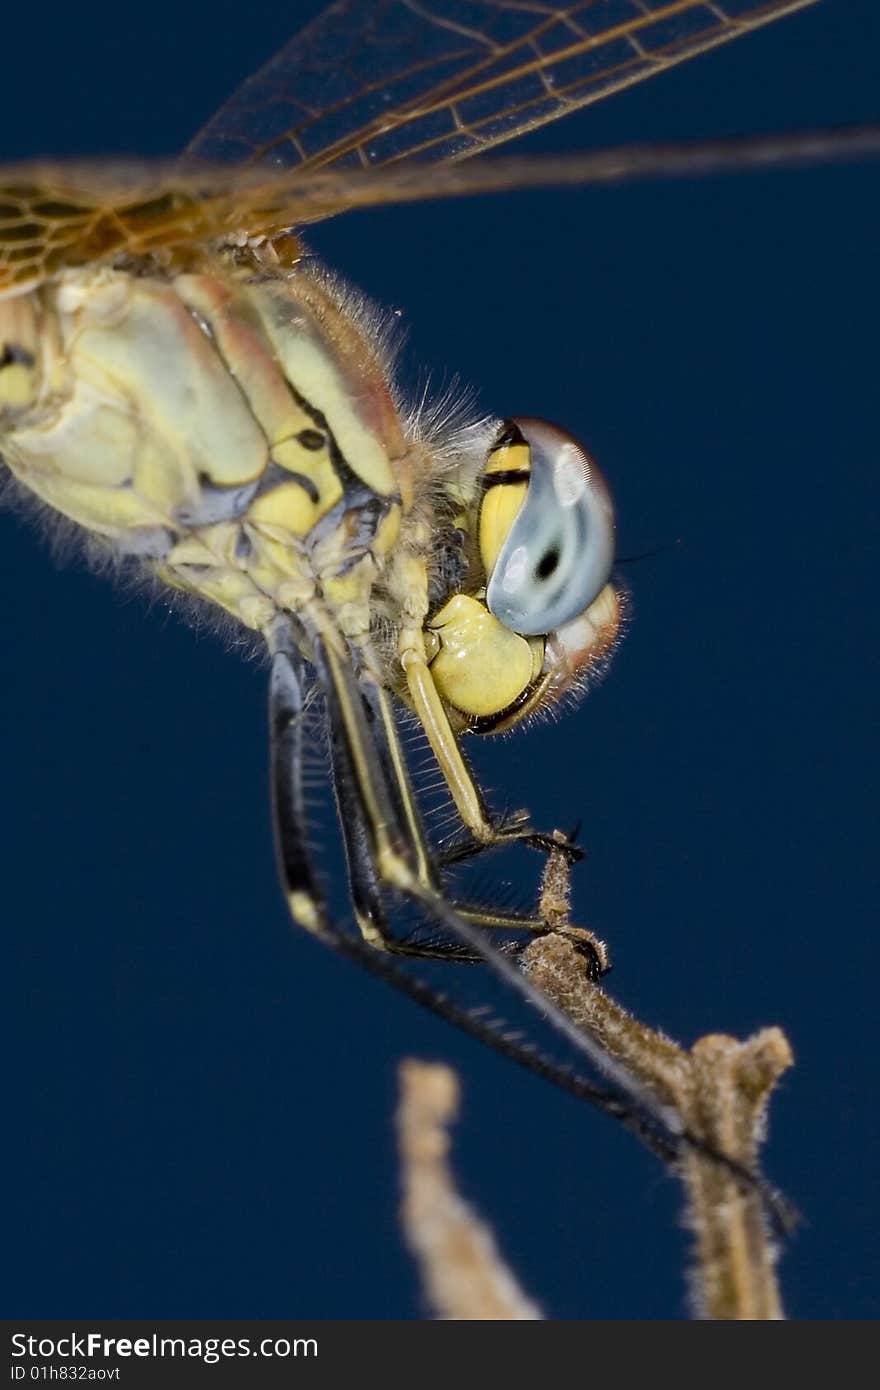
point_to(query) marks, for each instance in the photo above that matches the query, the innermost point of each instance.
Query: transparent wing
(376, 101)
(53, 217)
(374, 82)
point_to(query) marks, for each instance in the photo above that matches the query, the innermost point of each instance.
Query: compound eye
(558, 554)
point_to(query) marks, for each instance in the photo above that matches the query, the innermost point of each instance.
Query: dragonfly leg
(483, 831)
(286, 708)
(307, 908)
(305, 901)
(386, 741)
(365, 792)
(467, 846)
(624, 1098)
(384, 841)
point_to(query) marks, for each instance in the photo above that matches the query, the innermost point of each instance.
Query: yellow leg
(444, 745)
(387, 751)
(429, 707)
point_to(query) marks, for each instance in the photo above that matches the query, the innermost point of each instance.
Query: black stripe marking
(311, 439)
(505, 475)
(276, 474)
(13, 356)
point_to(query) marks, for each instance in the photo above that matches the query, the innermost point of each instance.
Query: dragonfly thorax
(236, 432)
(239, 434)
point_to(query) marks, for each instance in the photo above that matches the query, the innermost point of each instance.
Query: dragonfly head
(546, 616)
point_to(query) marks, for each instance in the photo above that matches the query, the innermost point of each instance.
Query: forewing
(375, 82)
(378, 101)
(57, 216)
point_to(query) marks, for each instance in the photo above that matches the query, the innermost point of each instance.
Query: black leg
(361, 778)
(395, 861)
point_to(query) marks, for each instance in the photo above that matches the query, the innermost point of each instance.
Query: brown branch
(463, 1274)
(719, 1090)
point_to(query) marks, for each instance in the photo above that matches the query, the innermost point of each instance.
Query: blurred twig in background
(463, 1274)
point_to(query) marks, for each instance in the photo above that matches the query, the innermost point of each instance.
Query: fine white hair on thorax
(443, 419)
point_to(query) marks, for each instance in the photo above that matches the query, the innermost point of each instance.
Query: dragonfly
(185, 387)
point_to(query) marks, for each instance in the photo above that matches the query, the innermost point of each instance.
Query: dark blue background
(204, 1122)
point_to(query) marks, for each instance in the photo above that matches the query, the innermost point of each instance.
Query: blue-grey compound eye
(559, 552)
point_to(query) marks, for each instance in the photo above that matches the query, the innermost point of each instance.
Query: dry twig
(463, 1274)
(719, 1089)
